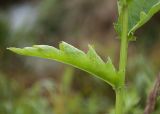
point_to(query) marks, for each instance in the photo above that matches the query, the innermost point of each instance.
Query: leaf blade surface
(68, 54)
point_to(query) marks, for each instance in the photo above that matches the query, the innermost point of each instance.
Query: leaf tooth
(29, 51)
(93, 56)
(69, 49)
(47, 51)
(109, 64)
(46, 48)
(41, 46)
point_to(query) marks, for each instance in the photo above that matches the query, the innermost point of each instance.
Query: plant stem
(119, 100)
(120, 90)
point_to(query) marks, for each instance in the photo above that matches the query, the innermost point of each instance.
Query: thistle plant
(132, 15)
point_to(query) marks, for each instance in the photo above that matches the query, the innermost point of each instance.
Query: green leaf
(68, 54)
(140, 12)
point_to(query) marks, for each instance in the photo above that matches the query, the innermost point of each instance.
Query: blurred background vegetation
(35, 86)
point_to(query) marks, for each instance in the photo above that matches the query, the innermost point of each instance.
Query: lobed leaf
(140, 12)
(68, 54)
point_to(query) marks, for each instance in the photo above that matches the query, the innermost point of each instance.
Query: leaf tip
(12, 49)
(15, 50)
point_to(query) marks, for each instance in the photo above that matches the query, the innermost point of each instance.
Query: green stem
(120, 90)
(120, 101)
(124, 41)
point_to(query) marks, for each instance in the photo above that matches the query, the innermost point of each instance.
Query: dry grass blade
(151, 100)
